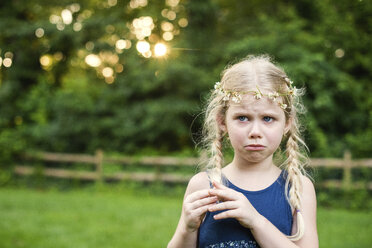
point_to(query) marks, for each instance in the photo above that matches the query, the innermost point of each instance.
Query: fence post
(99, 165)
(157, 173)
(346, 179)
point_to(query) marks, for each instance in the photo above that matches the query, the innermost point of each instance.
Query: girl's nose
(255, 132)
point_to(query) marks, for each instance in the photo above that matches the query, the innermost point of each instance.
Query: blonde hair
(252, 72)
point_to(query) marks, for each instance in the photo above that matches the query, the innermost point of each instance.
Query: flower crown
(236, 96)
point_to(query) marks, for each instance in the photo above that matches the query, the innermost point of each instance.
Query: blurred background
(99, 99)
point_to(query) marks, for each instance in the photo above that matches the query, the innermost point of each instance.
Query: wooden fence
(99, 160)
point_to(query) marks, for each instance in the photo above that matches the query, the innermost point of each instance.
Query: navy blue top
(269, 202)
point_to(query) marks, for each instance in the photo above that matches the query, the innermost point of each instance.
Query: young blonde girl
(251, 202)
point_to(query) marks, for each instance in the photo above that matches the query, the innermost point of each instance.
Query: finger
(202, 210)
(218, 185)
(197, 195)
(227, 214)
(223, 206)
(204, 201)
(224, 194)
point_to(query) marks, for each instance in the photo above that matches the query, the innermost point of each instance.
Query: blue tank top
(269, 202)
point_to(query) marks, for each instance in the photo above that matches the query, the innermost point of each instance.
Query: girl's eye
(242, 118)
(268, 119)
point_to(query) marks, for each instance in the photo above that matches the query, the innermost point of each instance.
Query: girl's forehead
(250, 103)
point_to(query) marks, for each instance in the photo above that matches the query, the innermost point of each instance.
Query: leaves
(70, 106)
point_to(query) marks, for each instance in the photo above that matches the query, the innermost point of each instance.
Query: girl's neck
(251, 176)
(243, 165)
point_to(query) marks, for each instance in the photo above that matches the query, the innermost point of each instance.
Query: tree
(85, 75)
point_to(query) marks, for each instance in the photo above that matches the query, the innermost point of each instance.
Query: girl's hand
(236, 205)
(194, 208)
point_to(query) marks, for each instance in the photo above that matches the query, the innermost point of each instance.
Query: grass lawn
(81, 218)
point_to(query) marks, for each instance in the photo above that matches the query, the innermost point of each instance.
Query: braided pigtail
(295, 171)
(216, 159)
(213, 137)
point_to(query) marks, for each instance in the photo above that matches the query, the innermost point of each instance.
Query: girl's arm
(196, 202)
(265, 233)
(269, 236)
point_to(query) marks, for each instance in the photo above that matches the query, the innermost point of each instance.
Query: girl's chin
(254, 157)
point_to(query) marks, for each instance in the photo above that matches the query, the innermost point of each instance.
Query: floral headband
(236, 96)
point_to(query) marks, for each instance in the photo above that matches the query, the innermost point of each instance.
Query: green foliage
(11, 144)
(346, 199)
(154, 103)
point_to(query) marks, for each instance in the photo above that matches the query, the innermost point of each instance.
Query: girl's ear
(221, 123)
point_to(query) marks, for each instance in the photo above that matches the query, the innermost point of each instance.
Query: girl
(251, 202)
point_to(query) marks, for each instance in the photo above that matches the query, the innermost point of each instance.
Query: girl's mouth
(254, 147)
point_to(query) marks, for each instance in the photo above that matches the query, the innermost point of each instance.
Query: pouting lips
(254, 147)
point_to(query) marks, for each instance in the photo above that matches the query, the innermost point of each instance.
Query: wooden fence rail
(99, 160)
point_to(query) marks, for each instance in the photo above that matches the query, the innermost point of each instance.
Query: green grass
(100, 218)
(342, 228)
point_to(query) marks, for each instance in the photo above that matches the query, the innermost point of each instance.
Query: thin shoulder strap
(210, 182)
(223, 178)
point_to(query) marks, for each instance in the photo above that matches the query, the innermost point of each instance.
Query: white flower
(283, 105)
(217, 86)
(257, 95)
(288, 80)
(236, 97)
(293, 91)
(273, 96)
(226, 97)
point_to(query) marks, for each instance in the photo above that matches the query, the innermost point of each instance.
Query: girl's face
(255, 128)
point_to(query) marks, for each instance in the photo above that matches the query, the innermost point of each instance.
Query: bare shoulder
(198, 182)
(308, 187)
(308, 196)
(309, 208)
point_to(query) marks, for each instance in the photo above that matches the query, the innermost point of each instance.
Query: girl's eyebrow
(240, 112)
(270, 113)
(246, 111)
